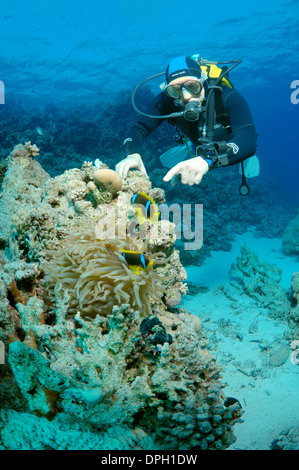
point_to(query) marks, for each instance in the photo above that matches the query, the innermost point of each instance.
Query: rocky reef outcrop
(290, 239)
(288, 440)
(260, 281)
(119, 380)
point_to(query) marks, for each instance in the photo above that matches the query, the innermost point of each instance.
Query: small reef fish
(39, 131)
(137, 262)
(145, 208)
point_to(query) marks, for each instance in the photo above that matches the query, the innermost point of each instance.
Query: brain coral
(108, 180)
(91, 267)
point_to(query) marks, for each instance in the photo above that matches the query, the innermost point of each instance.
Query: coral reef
(26, 150)
(25, 431)
(287, 440)
(171, 392)
(123, 379)
(260, 280)
(290, 239)
(23, 191)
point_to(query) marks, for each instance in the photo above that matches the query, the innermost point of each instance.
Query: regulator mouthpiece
(192, 111)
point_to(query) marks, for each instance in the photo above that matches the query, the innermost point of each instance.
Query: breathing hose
(181, 113)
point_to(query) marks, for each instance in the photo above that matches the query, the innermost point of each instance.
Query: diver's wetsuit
(241, 130)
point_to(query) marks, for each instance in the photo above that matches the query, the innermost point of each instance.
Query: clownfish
(137, 262)
(145, 208)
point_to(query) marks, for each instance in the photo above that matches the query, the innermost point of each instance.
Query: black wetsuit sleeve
(160, 106)
(242, 127)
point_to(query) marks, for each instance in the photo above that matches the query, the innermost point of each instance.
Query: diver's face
(187, 96)
(186, 89)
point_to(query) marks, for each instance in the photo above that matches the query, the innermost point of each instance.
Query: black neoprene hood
(182, 67)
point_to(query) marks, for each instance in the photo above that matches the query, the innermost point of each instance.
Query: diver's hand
(133, 160)
(191, 171)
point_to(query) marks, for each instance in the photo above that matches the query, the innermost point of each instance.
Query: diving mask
(194, 88)
(174, 90)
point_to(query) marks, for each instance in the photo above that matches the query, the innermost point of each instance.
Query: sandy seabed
(269, 395)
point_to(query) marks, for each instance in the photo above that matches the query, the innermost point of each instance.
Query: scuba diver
(208, 113)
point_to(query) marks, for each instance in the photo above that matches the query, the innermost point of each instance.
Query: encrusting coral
(26, 150)
(108, 372)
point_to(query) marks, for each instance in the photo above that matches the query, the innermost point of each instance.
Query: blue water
(71, 52)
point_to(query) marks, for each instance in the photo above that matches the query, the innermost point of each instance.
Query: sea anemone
(91, 267)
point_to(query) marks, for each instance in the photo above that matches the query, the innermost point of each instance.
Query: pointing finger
(172, 172)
